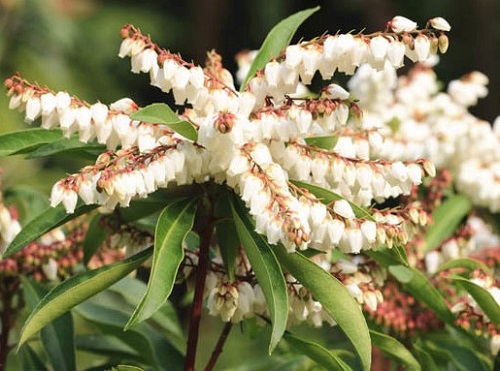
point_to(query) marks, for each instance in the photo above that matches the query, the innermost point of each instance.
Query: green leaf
(77, 289)
(160, 113)
(482, 297)
(277, 40)
(227, 235)
(128, 368)
(29, 202)
(30, 360)
(426, 360)
(326, 142)
(463, 358)
(49, 219)
(467, 263)
(266, 268)
(394, 349)
(421, 289)
(334, 297)
(95, 236)
(174, 223)
(229, 243)
(402, 273)
(317, 353)
(132, 290)
(25, 140)
(70, 146)
(106, 345)
(57, 337)
(150, 345)
(446, 219)
(327, 196)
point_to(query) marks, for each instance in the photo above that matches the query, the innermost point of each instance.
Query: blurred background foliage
(72, 45)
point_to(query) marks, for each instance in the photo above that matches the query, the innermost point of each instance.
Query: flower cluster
(417, 120)
(256, 141)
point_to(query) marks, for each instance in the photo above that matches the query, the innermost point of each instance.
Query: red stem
(201, 274)
(218, 347)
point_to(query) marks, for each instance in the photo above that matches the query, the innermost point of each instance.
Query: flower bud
(440, 23)
(343, 209)
(443, 43)
(402, 24)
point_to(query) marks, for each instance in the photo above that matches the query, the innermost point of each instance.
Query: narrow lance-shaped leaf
(49, 219)
(317, 353)
(227, 236)
(106, 345)
(334, 297)
(421, 289)
(128, 368)
(464, 358)
(77, 289)
(66, 145)
(94, 237)
(394, 349)
(426, 360)
(30, 360)
(132, 290)
(160, 113)
(25, 140)
(467, 263)
(150, 344)
(29, 202)
(277, 40)
(57, 337)
(446, 219)
(483, 297)
(327, 196)
(266, 268)
(174, 223)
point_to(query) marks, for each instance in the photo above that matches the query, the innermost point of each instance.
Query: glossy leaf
(276, 41)
(266, 268)
(427, 362)
(25, 140)
(29, 202)
(421, 289)
(161, 113)
(317, 353)
(57, 337)
(174, 223)
(132, 290)
(69, 146)
(482, 297)
(467, 263)
(128, 368)
(150, 345)
(325, 142)
(446, 219)
(463, 358)
(94, 237)
(327, 196)
(394, 349)
(30, 359)
(334, 297)
(77, 289)
(49, 219)
(227, 235)
(107, 345)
